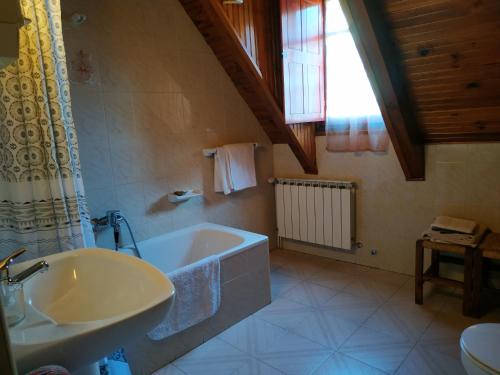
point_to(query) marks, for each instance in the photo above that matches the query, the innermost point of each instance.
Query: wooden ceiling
(450, 52)
(435, 65)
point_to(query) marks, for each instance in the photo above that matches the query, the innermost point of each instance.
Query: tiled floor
(330, 317)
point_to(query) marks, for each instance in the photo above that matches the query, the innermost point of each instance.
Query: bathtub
(245, 285)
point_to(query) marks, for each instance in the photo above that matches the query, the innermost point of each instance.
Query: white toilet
(480, 346)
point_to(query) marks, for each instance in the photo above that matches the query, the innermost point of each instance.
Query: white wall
(157, 97)
(462, 180)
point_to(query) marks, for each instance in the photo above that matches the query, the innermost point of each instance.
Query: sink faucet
(40, 266)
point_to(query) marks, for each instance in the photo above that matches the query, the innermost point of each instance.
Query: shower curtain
(42, 200)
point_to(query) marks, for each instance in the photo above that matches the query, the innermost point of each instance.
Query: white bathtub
(177, 249)
(245, 285)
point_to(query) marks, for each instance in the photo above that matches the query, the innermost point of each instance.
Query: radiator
(316, 211)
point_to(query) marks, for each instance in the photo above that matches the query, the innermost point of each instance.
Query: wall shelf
(174, 198)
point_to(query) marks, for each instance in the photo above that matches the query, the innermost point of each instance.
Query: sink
(89, 303)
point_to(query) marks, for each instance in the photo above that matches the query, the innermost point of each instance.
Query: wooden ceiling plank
(371, 34)
(464, 138)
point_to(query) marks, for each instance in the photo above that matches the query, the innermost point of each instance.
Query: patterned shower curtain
(42, 200)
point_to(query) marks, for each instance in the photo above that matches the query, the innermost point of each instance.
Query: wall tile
(88, 112)
(160, 98)
(95, 160)
(191, 70)
(100, 200)
(461, 180)
(170, 71)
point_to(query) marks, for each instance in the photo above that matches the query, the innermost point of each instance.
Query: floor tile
(333, 279)
(377, 349)
(347, 299)
(310, 294)
(331, 317)
(448, 326)
(370, 288)
(340, 364)
(393, 278)
(345, 267)
(275, 346)
(408, 320)
(252, 366)
(277, 259)
(281, 283)
(169, 370)
(424, 360)
(284, 313)
(352, 308)
(302, 269)
(253, 336)
(325, 327)
(295, 355)
(434, 296)
(213, 357)
(449, 347)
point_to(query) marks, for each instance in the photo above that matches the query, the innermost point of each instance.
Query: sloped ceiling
(435, 65)
(450, 51)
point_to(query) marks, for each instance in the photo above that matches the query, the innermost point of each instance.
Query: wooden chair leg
(419, 272)
(477, 281)
(485, 271)
(468, 298)
(435, 262)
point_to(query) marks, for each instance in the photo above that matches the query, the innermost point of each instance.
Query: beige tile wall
(157, 97)
(462, 180)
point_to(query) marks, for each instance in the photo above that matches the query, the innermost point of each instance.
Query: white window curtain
(42, 200)
(353, 118)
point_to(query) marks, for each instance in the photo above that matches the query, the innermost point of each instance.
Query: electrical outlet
(373, 252)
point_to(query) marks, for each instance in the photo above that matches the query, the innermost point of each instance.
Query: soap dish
(182, 196)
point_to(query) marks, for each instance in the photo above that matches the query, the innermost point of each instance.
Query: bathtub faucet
(114, 219)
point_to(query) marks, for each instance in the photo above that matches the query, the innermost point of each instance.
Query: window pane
(349, 93)
(335, 19)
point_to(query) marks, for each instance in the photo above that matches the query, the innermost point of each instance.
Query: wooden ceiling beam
(213, 24)
(371, 33)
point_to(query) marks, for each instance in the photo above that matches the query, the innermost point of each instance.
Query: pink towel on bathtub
(197, 297)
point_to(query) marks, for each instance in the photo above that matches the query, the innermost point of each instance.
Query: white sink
(88, 303)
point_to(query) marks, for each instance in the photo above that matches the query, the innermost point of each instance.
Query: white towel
(234, 168)
(222, 172)
(197, 297)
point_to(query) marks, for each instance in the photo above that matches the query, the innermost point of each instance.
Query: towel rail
(317, 183)
(209, 152)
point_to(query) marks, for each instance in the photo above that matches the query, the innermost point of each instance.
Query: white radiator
(315, 211)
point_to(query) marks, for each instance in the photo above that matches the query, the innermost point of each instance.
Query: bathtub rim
(250, 239)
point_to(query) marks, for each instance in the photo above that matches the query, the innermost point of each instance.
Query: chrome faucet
(40, 266)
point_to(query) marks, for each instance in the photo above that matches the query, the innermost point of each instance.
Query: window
(348, 90)
(353, 118)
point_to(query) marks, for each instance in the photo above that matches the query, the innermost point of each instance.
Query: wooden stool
(472, 273)
(490, 250)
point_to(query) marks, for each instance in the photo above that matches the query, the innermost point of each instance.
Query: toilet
(480, 345)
